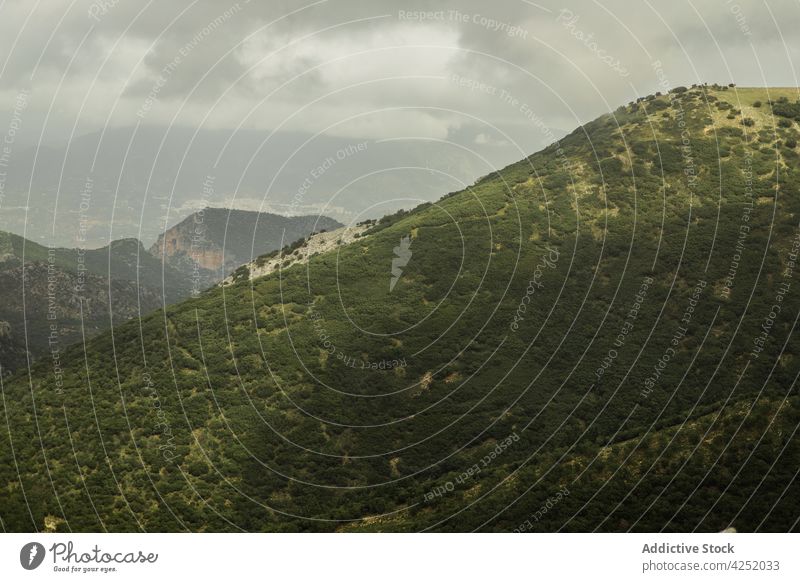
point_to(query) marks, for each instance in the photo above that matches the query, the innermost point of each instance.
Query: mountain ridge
(59, 296)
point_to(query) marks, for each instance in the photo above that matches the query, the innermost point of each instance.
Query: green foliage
(786, 109)
(249, 407)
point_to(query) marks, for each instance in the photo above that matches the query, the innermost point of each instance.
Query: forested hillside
(598, 337)
(54, 297)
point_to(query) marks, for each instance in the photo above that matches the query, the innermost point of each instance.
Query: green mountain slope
(605, 329)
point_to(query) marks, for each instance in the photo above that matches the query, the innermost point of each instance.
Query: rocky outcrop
(189, 239)
(316, 244)
(211, 243)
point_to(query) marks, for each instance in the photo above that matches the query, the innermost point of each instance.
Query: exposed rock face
(316, 244)
(211, 243)
(189, 239)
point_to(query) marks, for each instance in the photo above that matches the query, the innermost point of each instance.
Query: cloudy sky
(374, 69)
(498, 79)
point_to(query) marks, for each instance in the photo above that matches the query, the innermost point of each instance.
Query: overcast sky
(374, 69)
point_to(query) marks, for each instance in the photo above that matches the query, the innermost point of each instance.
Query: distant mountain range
(137, 181)
(53, 297)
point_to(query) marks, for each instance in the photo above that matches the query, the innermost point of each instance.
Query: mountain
(54, 297)
(57, 296)
(211, 243)
(599, 337)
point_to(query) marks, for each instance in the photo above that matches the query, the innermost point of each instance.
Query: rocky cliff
(211, 243)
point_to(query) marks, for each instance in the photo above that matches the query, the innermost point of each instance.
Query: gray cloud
(214, 62)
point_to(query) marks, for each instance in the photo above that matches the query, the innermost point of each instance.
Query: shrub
(786, 109)
(791, 143)
(783, 122)
(748, 122)
(756, 103)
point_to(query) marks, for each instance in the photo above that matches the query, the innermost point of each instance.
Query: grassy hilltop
(598, 337)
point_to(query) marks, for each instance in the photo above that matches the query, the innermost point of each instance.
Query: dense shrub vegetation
(248, 407)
